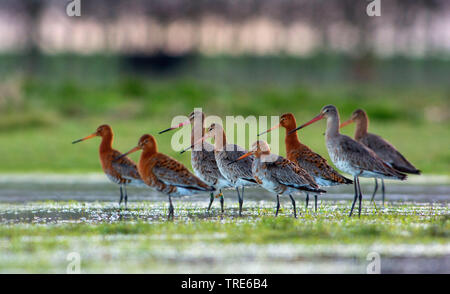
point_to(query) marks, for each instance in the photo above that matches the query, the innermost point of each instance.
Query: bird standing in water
(240, 174)
(314, 164)
(385, 150)
(203, 160)
(278, 174)
(123, 172)
(164, 173)
(351, 156)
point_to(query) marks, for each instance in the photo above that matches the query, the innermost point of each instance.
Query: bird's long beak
(85, 138)
(270, 130)
(243, 156)
(175, 127)
(196, 142)
(129, 152)
(317, 118)
(346, 123)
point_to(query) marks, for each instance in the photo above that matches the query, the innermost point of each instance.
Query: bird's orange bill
(127, 153)
(85, 138)
(196, 142)
(242, 157)
(270, 130)
(345, 123)
(317, 118)
(175, 127)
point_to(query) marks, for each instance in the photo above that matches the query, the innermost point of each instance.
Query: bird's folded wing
(172, 172)
(386, 151)
(362, 157)
(125, 167)
(288, 173)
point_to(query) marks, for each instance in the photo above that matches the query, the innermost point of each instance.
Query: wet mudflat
(41, 224)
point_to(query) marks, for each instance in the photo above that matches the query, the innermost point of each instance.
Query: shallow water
(34, 203)
(23, 191)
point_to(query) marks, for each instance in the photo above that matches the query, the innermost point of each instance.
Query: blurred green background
(42, 113)
(137, 64)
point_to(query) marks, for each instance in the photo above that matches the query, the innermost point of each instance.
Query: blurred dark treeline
(416, 27)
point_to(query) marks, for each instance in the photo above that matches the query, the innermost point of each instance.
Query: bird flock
(223, 165)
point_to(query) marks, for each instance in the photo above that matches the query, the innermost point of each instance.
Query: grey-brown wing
(172, 172)
(204, 163)
(125, 166)
(361, 156)
(288, 173)
(243, 167)
(387, 152)
(316, 165)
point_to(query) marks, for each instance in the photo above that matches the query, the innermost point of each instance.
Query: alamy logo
(374, 266)
(239, 130)
(74, 259)
(73, 8)
(374, 8)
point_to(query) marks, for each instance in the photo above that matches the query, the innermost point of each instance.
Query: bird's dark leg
(126, 195)
(307, 201)
(240, 201)
(121, 195)
(221, 200)
(278, 205)
(356, 195)
(360, 198)
(375, 190)
(242, 197)
(382, 190)
(293, 205)
(315, 203)
(211, 200)
(170, 208)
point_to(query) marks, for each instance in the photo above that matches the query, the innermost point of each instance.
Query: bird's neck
(197, 132)
(332, 126)
(291, 140)
(148, 152)
(220, 140)
(106, 144)
(362, 125)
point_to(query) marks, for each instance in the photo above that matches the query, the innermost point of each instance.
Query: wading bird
(314, 164)
(385, 150)
(278, 174)
(239, 174)
(203, 160)
(351, 156)
(164, 173)
(122, 172)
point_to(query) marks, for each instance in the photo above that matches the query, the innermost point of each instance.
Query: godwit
(351, 156)
(203, 160)
(278, 174)
(123, 172)
(239, 174)
(164, 173)
(385, 150)
(314, 164)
